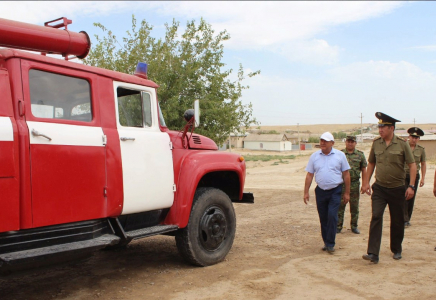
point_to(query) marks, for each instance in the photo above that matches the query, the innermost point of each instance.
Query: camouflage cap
(351, 138)
(415, 131)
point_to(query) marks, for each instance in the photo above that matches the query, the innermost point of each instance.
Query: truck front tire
(209, 235)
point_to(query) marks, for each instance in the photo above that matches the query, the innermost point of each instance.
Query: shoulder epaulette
(359, 151)
(377, 138)
(419, 146)
(401, 139)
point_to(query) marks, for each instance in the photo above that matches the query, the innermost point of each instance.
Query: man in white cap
(330, 167)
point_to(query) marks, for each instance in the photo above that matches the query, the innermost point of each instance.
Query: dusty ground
(276, 255)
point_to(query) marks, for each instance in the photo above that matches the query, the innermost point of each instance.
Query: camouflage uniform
(357, 161)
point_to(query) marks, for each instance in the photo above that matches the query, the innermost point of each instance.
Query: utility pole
(361, 128)
(413, 121)
(299, 147)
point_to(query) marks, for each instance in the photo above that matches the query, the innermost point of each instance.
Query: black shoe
(324, 248)
(372, 257)
(355, 230)
(397, 256)
(407, 224)
(338, 230)
(330, 249)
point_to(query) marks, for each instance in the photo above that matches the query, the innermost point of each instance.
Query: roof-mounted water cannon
(48, 39)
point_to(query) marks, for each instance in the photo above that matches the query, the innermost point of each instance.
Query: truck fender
(193, 168)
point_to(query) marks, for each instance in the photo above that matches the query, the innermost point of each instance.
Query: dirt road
(276, 255)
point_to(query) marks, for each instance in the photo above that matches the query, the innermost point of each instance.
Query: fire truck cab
(87, 162)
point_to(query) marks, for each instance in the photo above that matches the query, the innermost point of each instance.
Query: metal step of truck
(39, 254)
(149, 231)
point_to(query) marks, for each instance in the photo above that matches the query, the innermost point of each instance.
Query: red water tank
(48, 39)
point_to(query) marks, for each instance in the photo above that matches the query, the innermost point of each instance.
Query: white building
(267, 142)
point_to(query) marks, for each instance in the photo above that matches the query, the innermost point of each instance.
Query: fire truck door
(67, 150)
(146, 156)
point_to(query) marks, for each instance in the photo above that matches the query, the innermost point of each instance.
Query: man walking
(330, 168)
(357, 161)
(388, 155)
(418, 151)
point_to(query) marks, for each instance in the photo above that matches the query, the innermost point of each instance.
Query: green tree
(342, 135)
(186, 68)
(313, 139)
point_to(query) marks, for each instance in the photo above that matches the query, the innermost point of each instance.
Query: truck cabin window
(56, 96)
(134, 108)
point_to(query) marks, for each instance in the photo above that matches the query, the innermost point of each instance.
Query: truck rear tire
(210, 232)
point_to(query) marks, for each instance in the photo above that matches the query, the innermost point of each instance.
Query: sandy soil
(276, 255)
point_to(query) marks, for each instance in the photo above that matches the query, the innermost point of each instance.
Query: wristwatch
(412, 186)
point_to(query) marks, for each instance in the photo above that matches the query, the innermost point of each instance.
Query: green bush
(313, 139)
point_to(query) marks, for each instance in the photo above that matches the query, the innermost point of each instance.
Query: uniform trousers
(408, 207)
(327, 203)
(354, 205)
(394, 198)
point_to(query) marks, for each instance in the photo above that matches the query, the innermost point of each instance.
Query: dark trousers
(394, 198)
(408, 207)
(327, 203)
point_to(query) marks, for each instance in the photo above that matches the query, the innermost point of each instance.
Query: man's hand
(421, 184)
(434, 191)
(307, 183)
(409, 193)
(306, 198)
(365, 189)
(346, 198)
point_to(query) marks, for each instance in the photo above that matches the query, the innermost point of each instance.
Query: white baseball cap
(327, 136)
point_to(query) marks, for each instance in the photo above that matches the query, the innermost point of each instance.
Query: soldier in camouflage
(357, 161)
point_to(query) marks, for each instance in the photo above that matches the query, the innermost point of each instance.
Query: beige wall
(237, 141)
(269, 146)
(430, 148)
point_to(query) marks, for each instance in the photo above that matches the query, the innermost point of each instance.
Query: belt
(328, 189)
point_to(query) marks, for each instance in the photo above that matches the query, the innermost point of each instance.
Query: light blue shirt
(328, 168)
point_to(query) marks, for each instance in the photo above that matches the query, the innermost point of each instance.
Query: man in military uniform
(357, 161)
(418, 151)
(389, 153)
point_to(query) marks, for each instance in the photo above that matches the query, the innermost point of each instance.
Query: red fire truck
(86, 161)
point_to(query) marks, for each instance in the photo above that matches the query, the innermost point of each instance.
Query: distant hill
(320, 128)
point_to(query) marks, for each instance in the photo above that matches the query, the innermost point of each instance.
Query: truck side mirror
(197, 112)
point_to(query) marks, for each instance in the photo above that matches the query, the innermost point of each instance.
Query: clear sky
(321, 62)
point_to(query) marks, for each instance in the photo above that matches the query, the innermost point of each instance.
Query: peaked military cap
(351, 137)
(415, 131)
(384, 119)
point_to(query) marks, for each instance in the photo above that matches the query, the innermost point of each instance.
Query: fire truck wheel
(211, 228)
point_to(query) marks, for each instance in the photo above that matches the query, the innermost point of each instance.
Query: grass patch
(265, 157)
